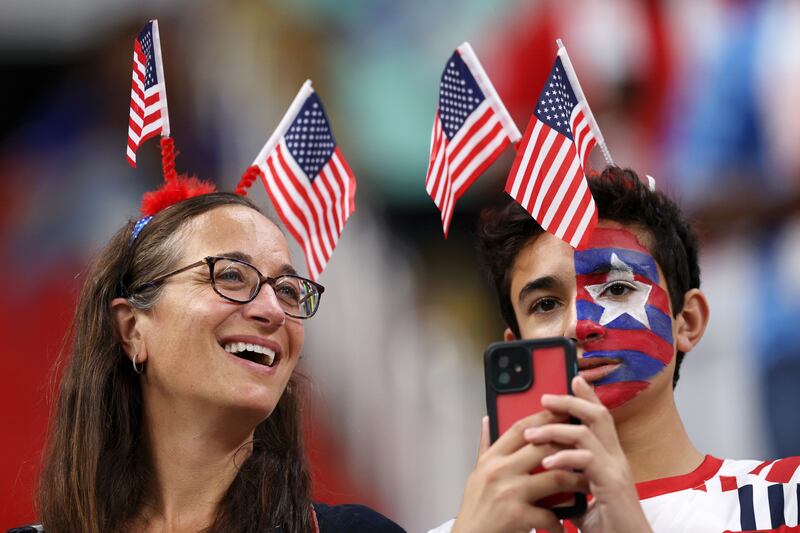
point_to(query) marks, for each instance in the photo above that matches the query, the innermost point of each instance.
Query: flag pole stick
(475, 67)
(286, 121)
(576, 86)
(160, 74)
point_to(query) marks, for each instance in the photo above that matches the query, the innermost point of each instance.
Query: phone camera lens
(509, 368)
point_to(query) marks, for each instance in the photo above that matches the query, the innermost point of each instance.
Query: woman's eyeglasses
(239, 281)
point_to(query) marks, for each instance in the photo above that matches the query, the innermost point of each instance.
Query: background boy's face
(611, 297)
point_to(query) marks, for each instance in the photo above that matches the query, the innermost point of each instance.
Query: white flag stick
(286, 121)
(483, 81)
(573, 79)
(162, 80)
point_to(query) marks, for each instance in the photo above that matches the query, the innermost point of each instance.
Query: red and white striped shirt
(720, 496)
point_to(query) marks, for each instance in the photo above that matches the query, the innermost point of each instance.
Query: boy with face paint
(629, 297)
(622, 316)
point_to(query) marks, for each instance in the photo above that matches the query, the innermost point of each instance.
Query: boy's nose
(588, 331)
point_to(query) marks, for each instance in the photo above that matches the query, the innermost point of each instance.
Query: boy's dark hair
(620, 196)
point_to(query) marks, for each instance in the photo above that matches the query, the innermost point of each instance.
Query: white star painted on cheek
(632, 304)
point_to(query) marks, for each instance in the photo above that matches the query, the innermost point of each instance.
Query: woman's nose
(265, 308)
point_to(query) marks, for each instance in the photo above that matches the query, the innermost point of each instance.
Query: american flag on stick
(307, 178)
(470, 130)
(548, 175)
(148, 115)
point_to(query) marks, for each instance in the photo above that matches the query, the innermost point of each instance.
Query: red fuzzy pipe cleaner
(175, 187)
(247, 180)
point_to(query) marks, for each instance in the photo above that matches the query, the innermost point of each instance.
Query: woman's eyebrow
(287, 269)
(284, 269)
(241, 256)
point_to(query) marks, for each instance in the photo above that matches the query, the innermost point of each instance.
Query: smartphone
(517, 374)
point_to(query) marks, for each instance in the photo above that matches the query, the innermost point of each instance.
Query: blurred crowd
(701, 95)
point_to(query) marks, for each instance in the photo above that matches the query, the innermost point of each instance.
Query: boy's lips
(596, 368)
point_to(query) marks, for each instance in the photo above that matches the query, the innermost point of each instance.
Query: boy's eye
(617, 289)
(545, 305)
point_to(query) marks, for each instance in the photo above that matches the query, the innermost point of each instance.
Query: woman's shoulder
(353, 518)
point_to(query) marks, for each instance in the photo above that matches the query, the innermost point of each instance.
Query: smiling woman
(179, 407)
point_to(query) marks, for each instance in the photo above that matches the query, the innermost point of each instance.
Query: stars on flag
(309, 138)
(459, 96)
(557, 102)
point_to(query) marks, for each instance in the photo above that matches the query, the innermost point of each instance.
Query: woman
(179, 408)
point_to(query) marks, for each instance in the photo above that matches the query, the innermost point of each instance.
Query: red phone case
(553, 365)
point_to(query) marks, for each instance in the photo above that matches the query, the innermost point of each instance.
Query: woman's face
(186, 333)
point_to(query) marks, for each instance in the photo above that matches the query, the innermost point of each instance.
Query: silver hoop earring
(138, 369)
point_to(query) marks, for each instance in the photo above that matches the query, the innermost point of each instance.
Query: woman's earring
(140, 368)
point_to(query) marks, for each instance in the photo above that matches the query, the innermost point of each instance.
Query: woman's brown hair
(96, 467)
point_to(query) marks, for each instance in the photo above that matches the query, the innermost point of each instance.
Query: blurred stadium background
(702, 95)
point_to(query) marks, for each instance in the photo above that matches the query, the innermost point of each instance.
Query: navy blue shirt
(353, 518)
(348, 518)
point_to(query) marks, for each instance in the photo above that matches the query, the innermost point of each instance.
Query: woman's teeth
(239, 347)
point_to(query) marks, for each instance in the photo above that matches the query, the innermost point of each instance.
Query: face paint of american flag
(623, 315)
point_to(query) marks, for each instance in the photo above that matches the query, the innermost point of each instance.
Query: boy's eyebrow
(626, 262)
(538, 284)
(605, 268)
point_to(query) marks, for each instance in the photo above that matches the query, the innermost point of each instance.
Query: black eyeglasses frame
(211, 260)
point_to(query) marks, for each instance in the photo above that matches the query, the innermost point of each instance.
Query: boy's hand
(594, 449)
(500, 493)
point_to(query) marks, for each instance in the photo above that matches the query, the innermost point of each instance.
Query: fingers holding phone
(586, 407)
(543, 460)
(500, 494)
(518, 374)
(594, 449)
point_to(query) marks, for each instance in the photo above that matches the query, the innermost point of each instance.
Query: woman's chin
(257, 405)
(249, 405)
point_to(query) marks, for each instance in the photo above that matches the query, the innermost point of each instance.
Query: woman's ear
(125, 320)
(508, 335)
(691, 322)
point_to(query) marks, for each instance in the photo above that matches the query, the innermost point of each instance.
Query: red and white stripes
(313, 211)
(547, 178)
(455, 165)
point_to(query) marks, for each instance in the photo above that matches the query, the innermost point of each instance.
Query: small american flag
(148, 115)
(470, 130)
(307, 178)
(548, 175)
